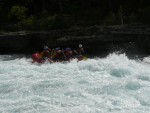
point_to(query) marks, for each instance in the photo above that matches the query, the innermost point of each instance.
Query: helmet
(58, 48)
(68, 49)
(80, 45)
(46, 48)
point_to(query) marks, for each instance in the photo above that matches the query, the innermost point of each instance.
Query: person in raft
(57, 54)
(45, 54)
(68, 53)
(79, 52)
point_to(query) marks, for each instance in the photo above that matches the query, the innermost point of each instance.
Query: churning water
(113, 84)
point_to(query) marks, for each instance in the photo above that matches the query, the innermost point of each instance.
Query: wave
(111, 84)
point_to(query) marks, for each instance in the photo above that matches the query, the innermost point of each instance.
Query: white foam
(113, 84)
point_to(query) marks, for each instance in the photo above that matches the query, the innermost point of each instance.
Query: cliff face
(96, 40)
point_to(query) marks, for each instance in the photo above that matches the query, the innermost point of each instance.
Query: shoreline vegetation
(104, 25)
(48, 15)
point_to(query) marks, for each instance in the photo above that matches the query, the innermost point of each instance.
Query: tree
(121, 14)
(18, 12)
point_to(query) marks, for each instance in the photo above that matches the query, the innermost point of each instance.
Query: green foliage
(29, 22)
(132, 18)
(58, 22)
(18, 12)
(110, 19)
(62, 14)
(43, 22)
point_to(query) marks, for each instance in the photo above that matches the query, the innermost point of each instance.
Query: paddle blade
(85, 57)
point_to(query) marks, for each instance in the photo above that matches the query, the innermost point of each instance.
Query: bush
(18, 13)
(29, 23)
(110, 19)
(132, 18)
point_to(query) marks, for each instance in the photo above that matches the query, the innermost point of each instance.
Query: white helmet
(80, 45)
(45, 47)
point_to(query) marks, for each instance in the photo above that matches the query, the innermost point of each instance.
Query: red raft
(36, 57)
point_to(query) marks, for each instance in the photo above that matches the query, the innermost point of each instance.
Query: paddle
(52, 53)
(85, 57)
(64, 55)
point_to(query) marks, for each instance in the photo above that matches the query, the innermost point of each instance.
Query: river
(113, 84)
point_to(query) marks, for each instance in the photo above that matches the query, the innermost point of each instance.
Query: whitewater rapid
(113, 84)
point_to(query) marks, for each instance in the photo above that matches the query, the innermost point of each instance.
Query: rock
(98, 40)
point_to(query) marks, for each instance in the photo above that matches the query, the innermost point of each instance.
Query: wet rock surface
(97, 40)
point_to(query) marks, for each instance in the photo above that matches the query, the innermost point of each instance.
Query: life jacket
(80, 51)
(53, 54)
(44, 53)
(57, 55)
(67, 52)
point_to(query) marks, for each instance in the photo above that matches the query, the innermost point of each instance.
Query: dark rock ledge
(97, 40)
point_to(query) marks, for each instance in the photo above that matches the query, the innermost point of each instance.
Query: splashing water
(113, 84)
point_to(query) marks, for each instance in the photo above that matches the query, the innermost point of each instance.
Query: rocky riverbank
(99, 40)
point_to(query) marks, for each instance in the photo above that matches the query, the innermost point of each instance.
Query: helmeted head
(58, 48)
(80, 45)
(47, 48)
